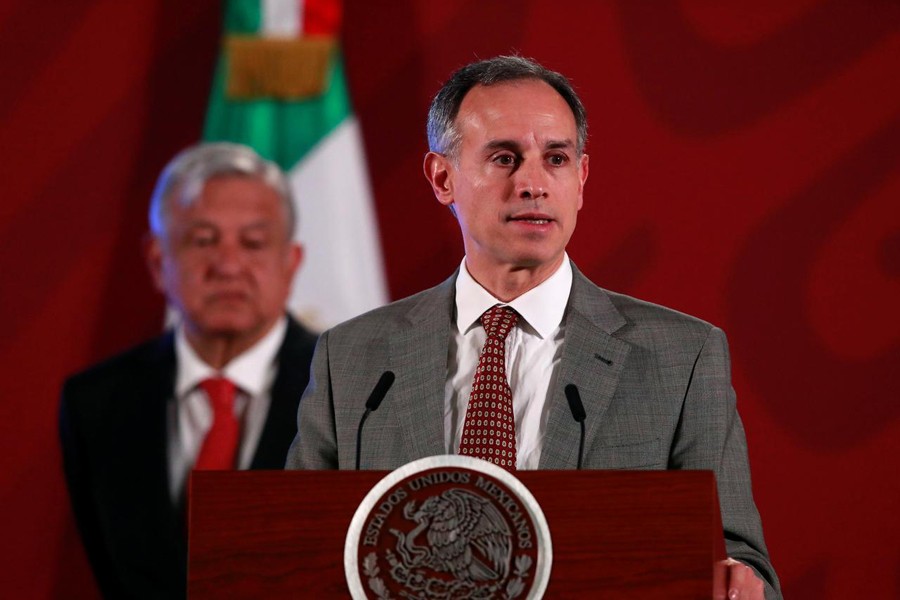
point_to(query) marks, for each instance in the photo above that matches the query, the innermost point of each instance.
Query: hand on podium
(741, 582)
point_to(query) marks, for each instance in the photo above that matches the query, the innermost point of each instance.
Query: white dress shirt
(190, 415)
(533, 352)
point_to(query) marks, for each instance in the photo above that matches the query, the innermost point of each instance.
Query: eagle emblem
(458, 533)
(447, 528)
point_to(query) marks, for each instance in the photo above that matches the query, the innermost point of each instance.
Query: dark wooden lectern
(616, 534)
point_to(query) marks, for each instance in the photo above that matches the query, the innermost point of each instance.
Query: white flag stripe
(281, 18)
(342, 274)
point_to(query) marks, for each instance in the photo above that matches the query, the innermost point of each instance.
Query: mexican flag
(280, 88)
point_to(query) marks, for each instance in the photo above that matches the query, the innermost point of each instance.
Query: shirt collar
(247, 371)
(541, 307)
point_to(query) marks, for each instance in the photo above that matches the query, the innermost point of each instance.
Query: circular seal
(448, 527)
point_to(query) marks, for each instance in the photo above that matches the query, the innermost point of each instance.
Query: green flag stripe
(243, 16)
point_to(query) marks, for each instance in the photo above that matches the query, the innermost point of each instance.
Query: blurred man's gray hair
(182, 180)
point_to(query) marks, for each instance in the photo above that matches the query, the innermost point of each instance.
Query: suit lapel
(418, 356)
(593, 360)
(280, 428)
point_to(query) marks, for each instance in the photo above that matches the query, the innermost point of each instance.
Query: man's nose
(531, 180)
(228, 259)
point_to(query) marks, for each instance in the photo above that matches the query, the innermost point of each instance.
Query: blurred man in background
(219, 391)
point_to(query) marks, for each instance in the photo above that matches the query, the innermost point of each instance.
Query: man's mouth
(229, 296)
(532, 219)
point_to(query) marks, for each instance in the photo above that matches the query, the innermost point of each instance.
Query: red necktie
(489, 431)
(221, 442)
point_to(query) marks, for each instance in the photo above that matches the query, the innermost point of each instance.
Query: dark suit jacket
(113, 430)
(656, 385)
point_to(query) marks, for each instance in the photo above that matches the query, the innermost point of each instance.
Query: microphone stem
(581, 445)
(359, 437)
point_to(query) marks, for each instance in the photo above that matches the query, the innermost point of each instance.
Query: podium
(615, 534)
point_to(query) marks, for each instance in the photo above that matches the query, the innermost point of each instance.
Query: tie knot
(220, 392)
(499, 320)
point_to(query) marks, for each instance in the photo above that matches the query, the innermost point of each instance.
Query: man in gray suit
(507, 157)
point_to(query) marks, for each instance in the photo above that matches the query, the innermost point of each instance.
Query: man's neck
(508, 282)
(219, 350)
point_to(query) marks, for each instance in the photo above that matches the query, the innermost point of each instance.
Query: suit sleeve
(315, 446)
(710, 435)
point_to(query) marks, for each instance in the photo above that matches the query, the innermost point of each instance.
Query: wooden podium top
(615, 534)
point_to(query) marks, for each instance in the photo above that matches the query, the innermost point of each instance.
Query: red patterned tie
(221, 442)
(490, 429)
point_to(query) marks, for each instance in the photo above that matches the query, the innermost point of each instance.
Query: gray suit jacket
(656, 385)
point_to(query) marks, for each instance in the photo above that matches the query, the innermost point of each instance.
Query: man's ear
(153, 255)
(294, 258)
(438, 172)
(583, 170)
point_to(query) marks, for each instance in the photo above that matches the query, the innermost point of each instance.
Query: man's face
(516, 181)
(226, 263)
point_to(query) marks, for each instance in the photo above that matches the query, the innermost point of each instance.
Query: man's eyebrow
(200, 224)
(516, 147)
(256, 225)
(557, 144)
(205, 224)
(502, 145)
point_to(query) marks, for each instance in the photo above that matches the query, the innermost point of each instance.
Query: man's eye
(506, 160)
(558, 159)
(254, 243)
(202, 241)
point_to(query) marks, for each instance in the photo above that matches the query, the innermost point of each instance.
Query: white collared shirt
(533, 352)
(190, 416)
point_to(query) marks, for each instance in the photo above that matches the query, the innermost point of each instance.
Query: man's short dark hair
(443, 136)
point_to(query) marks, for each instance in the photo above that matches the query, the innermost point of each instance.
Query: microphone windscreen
(575, 404)
(380, 391)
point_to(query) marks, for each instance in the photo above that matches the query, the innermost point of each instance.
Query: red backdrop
(744, 168)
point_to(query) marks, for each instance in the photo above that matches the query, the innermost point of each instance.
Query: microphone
(578, 414)
(378, 393)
